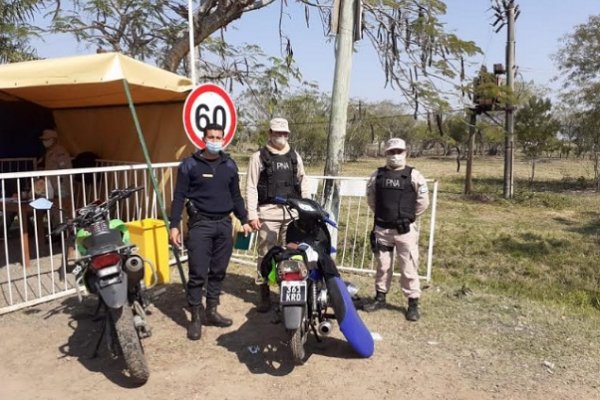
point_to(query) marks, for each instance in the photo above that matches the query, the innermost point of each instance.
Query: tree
(458, 132)
(15, 30)
(413, 48)
(536, 129)
(376, 122)
(578, 60)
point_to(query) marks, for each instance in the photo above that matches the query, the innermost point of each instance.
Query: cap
(395, 144)
(49, 134)
(279, 125)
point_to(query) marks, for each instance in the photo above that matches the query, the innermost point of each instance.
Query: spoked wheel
(297, 342)
(129, 341)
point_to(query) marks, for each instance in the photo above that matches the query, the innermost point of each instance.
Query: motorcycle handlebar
(120, 194)
(94, 210)
(63, 226)
(59, 229)
(330, 222)
(124, 193)
(294, 203)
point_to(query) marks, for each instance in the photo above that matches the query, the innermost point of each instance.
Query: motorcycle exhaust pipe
(324, 328)
(134, 267)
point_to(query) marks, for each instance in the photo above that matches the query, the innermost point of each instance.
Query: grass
(542, 245)
(515, 294)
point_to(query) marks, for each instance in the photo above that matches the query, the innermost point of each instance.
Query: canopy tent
(87, 98)
(108, 104)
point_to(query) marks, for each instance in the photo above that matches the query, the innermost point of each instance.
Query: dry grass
(515, 295)
(542, 245)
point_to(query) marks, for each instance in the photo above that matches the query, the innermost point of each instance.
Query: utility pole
(506, 14)
(339, 101)
(510, 117)
(472, 113)
(191, 39)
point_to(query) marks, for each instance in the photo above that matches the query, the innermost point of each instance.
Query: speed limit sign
(206, 104)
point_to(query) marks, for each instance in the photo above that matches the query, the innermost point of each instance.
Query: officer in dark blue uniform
(209, 181)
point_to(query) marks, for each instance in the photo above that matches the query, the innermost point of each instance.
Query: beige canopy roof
(90, 81)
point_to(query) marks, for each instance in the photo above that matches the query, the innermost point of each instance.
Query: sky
(539, 29)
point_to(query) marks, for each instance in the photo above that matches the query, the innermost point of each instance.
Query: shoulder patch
(423, 189)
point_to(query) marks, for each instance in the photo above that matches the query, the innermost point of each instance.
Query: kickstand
(96, 315)
(104, 327)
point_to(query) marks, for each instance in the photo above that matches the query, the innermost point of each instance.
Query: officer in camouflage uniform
(56, 157)
(274, 170)
(397, 194)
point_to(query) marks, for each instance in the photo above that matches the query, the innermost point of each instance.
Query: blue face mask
(214, 147)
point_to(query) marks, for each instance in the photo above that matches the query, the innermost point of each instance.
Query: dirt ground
(45, 353)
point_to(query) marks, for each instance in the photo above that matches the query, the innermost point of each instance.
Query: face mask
(279, 141)
(396, 160)
(48, 142)
(214, 147)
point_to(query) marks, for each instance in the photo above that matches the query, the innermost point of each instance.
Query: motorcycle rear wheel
(297, 341)
(129, 341)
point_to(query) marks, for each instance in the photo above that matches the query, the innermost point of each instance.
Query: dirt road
(45, 353)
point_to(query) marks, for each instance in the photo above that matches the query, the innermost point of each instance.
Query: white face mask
(279, 141)
(48, 142)
(396, 160)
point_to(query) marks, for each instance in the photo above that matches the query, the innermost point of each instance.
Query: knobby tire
(130, 344)
(297, 340)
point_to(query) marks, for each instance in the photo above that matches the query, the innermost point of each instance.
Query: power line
(350, 120)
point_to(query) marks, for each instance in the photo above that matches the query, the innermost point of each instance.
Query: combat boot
(412, 314)
(194, 331)
(213, 318)
(264, 303)
(377, 303)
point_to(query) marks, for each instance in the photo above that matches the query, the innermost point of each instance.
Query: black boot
(377, 303)
(412, 314)
(213, 318)
(194, 331)
(264, 303)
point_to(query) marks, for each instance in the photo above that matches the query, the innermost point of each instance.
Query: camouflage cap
(395, 144)
(279, 125)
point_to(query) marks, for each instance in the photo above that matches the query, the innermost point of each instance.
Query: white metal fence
(17, 164)
(33, 266)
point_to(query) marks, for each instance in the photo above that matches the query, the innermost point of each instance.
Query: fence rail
(33, 267)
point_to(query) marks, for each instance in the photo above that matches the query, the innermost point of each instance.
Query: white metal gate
(33, 266)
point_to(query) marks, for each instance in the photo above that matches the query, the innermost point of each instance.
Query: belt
(211, 217)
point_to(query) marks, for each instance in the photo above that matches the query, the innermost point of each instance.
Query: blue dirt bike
(310, 283)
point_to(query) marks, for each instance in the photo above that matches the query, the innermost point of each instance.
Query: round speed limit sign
(208, 104)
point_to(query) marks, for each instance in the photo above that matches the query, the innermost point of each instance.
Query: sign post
(208, 103)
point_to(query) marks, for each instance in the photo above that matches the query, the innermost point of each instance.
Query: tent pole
(161, 205)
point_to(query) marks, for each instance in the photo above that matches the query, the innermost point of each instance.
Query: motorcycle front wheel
(129, 341)
(297, 341)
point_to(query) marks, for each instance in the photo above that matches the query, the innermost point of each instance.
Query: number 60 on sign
(208, 103)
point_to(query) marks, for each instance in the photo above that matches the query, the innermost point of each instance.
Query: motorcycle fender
(114, 295)
(292, 316)
(353, 328)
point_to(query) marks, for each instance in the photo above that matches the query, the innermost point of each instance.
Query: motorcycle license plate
(293, 292)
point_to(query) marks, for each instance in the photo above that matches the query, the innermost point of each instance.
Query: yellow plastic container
(150, 236)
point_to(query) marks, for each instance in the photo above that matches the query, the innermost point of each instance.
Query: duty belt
(210, 217)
